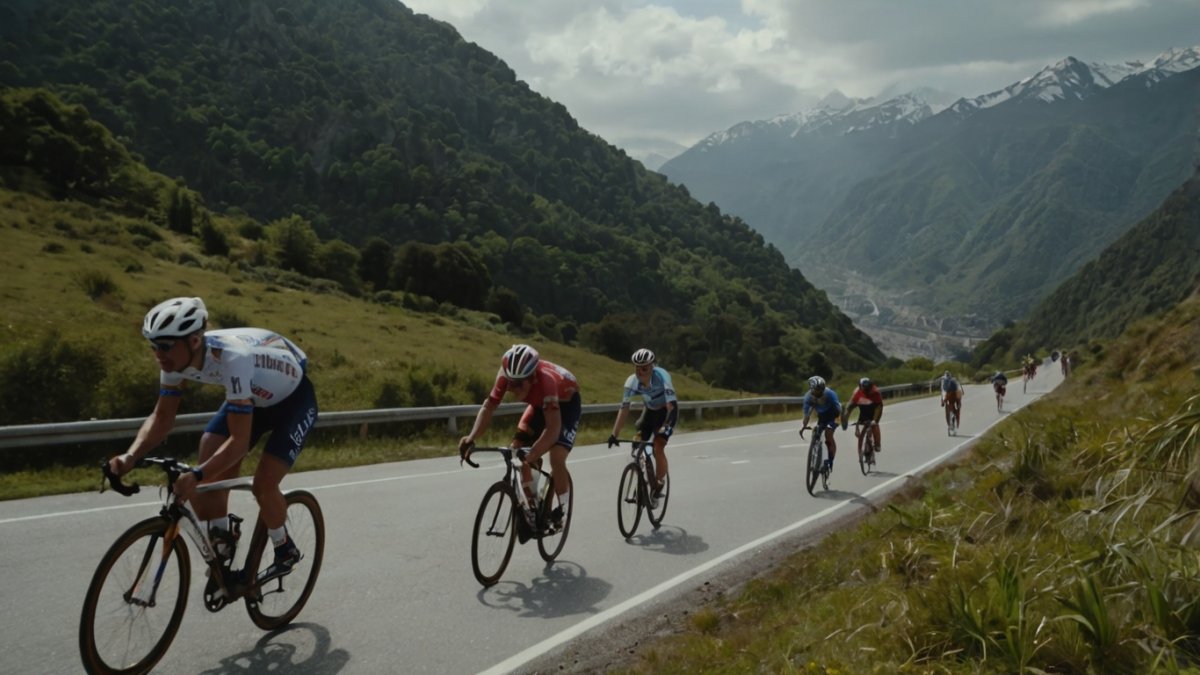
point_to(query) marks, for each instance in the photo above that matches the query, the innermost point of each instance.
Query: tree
(338, 261)
(294, 244)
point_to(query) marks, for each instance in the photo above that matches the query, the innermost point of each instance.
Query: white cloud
(677, 70)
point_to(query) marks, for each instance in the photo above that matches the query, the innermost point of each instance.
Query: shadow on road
(670, 539)
(297, 648)
(564, 589)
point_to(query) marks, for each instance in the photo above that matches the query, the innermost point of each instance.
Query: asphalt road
(396, 593)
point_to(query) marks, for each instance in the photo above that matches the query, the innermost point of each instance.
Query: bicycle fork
(143, 594)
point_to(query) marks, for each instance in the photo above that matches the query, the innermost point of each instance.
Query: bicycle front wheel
(814, 463)
(629, 502)
(864, 456)
(495, 533)
(551, 542)
(278, 601)
(136, 600)
(658, 509)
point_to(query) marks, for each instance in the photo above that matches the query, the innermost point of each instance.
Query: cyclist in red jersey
(870, 403)
(549, 423)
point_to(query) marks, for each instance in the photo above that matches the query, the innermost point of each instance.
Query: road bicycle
(138, 594)
(866, 446)
(816, 457)
(506, 516)
(635, 493)
(952, 417)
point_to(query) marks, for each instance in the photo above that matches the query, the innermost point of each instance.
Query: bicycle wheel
(629, 501)
(495, 533)
(814, 462)
(656, 512)
(129, 617)
(278, 601)
(550, 544)
(863, 454)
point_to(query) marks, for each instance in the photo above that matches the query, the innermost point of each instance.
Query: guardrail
(28, 435)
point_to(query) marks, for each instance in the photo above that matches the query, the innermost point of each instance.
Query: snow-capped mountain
(835, 115)
(1074, 79)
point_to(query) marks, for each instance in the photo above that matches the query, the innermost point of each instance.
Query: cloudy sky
(649, 75)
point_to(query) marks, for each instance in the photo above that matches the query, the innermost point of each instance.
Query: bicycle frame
(180, 515)
(513, 459)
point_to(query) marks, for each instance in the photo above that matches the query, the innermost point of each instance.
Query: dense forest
(376, 148)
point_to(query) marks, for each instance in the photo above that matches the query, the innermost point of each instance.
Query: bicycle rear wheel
(495, 533)
(550, 543)
(278, 601)
(129, 618)
(814, 462)
(656, 511)
(629, 501)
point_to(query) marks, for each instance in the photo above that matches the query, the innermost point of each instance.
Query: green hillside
(364, 122)
(1148, 270)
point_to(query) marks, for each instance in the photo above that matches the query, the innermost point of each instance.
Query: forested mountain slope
(377, 125)
(1150, 269)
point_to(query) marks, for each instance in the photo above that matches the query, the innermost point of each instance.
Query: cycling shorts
(651, 421)
(1000, 388)
(534, 421)
(290, 420)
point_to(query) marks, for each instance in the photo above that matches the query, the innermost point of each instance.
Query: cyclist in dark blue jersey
(657, 421)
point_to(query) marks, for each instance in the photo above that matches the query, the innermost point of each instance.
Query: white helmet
(643, 357)
(520, 361)
(816, 382)
(175, 318)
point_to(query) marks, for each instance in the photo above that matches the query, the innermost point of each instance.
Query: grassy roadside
(1064, 542)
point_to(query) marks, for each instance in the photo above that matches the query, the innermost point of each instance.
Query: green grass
(1065, 542)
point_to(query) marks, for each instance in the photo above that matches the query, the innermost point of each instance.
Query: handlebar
(506, 452)
(635, 444)
(819, 427)
(171, 466)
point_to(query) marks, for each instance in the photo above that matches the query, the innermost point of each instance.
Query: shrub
(67, 375)
(97, 284)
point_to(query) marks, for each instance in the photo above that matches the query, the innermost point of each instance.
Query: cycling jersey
(656, 395)
(870, 404)
(552, 386)
(827, 405)
(251, 363)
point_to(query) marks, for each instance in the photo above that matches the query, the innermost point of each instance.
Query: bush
(97, 284)
(67, 376)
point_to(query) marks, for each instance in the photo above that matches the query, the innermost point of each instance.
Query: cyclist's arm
(152, 432)
(619, 424)
(483, 419)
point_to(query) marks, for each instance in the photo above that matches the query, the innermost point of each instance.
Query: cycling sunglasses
(162, 345)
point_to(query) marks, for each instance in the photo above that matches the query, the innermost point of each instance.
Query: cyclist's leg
(215, 505)
(878, 436)
(570, 412)
(289, 422)
(660, 457)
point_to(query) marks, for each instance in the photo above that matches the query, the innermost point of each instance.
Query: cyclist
(657, 421)
(549, 423)
(952, 393)
(266, 390)
(999, 382)
(825, 402)
(869, 401)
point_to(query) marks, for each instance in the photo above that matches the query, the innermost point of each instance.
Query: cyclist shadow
(295, 648)
(564, 589)
(670, 539)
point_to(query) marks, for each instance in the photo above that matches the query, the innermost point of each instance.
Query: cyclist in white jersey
(266, 390)
(659, 415)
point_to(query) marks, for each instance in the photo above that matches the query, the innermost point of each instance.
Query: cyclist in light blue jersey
(653, 384)
(828, 407)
